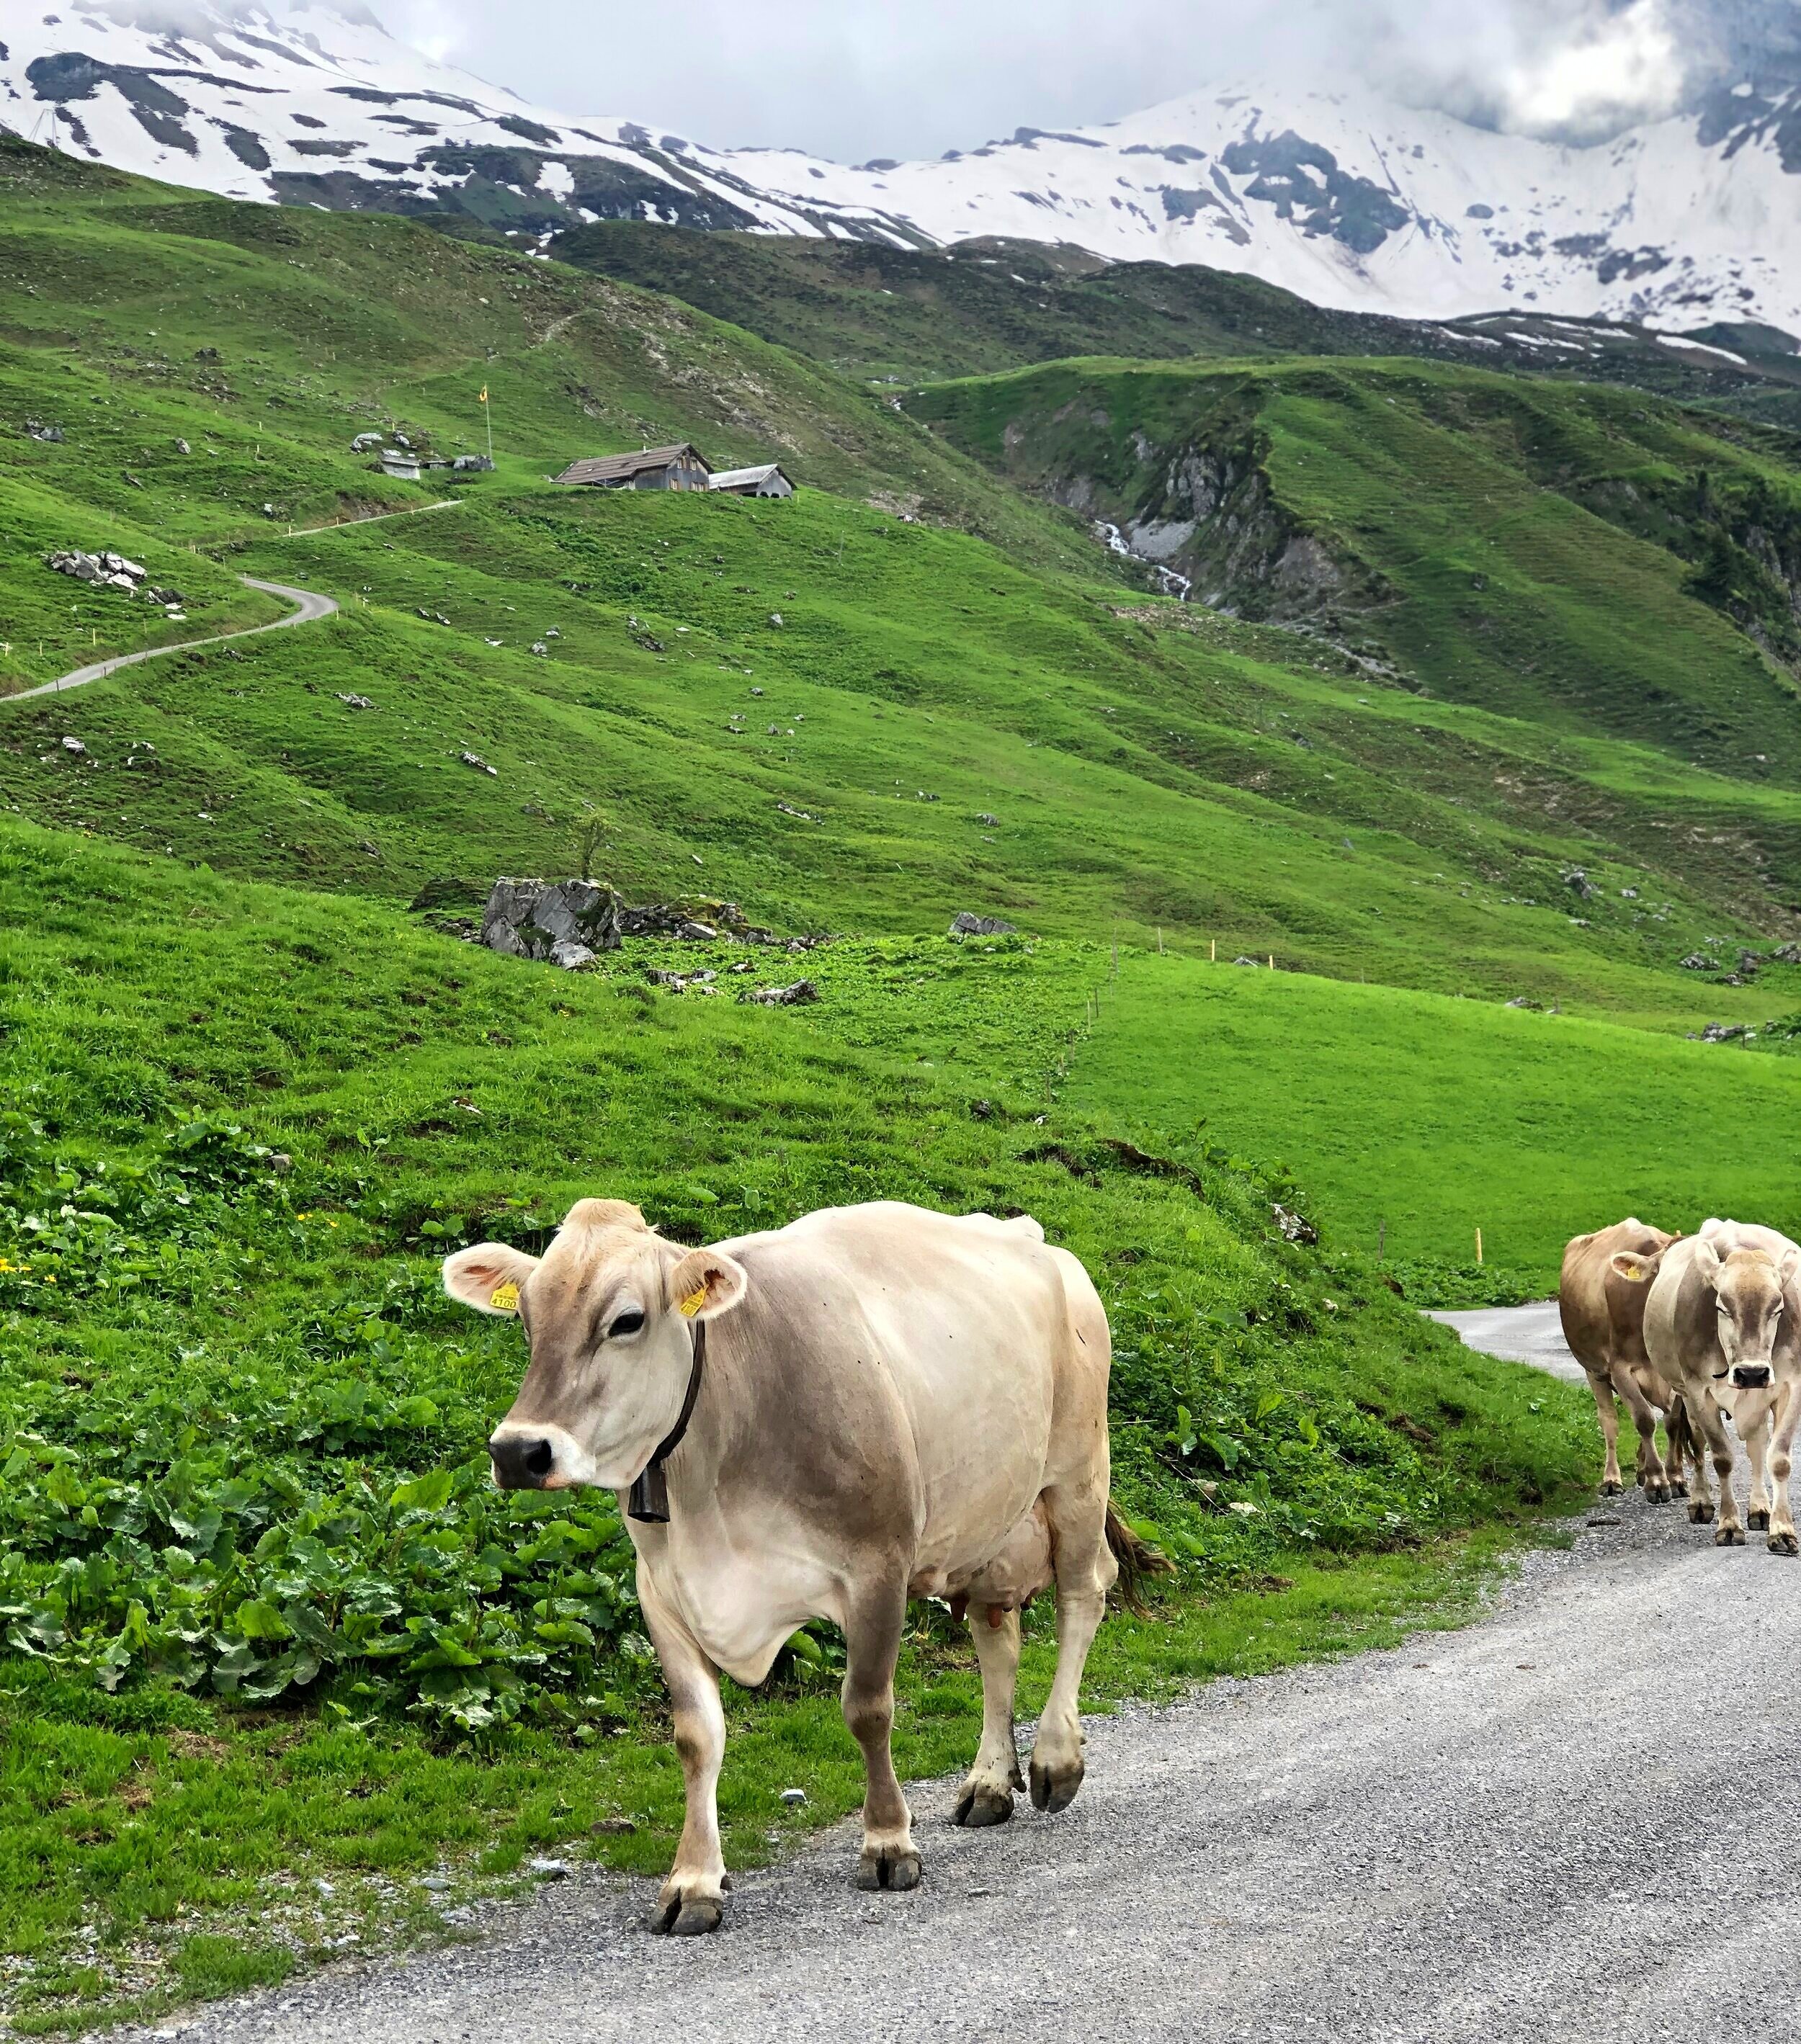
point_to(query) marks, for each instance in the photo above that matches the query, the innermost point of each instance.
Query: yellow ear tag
(694, 1301)
(504, 1298)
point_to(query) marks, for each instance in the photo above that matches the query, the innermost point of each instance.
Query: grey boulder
(553, 920)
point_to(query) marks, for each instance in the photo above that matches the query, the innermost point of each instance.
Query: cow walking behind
(873, 1403)
(1722, 1323)
(1601, 1306)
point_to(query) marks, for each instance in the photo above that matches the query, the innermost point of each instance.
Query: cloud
(855, 78)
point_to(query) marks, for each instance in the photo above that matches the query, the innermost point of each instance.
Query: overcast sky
(855, 78)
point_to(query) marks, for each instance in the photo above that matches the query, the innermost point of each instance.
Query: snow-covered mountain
(1349, 198)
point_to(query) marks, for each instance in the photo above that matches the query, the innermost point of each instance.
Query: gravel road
(1577, 1818)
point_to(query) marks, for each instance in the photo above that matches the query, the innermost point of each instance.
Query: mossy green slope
(1501, 541)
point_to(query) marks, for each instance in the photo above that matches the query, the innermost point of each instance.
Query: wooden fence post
(1479, 1245)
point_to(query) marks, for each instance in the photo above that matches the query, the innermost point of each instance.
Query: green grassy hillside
(1438, 1117)
(1516, 544)
(265, 1614)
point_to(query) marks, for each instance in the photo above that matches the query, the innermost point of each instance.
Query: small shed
(400, 463)
(683, 467)
(767, 481)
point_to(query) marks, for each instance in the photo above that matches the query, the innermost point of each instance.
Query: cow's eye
(627, 1323)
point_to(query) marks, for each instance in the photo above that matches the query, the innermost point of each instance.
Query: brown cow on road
(873, 1403)
(1602, 1310)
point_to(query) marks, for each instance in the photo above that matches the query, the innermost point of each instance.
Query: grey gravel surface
(1522, 1334)
(1575, 1820)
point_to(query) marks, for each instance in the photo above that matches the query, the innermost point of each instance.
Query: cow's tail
(1136, 1558)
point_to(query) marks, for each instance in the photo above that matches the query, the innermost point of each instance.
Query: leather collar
(648, 1501)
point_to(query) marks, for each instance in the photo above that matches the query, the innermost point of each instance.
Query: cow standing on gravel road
(1722, 1323)
(873, 1403)
(1603, 1312)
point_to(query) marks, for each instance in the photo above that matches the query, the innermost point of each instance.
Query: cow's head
(609, 1310)
(1749, 1288)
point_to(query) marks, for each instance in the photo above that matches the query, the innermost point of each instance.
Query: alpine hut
(767, 481)
(683, 467)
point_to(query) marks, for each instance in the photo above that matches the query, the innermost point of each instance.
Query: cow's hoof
(1658, 1493)
(1612, 1490)
(977, 1807)
(892, 1867)
(1700, 1513)
(1054, 1789)
(1758, 1522)
(1679, 1489)
(1784, 1543)
(1729, 1536)
(691, 1916)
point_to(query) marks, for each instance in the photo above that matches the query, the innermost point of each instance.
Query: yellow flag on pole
(483, 398)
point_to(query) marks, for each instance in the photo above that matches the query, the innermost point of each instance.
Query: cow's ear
(489, 1276)
(1629, 1265)
(1710, 1228)
(1706, 1256)
(1785, 1270)
(705, 1283)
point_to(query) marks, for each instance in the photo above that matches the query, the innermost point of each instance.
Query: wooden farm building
(683, 467)
(767, 481)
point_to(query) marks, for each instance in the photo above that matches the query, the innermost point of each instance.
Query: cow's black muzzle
(521, 1463)
(1751, 1376)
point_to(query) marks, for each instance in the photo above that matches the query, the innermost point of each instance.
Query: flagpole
(487, 413)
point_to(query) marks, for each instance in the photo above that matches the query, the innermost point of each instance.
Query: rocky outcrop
(566, 922)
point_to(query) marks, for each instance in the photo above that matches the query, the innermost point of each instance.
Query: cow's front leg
(1783, 1540)
(1701, 1503)
(1718, 1446)
(875, 1615)
(692, 1899)
(1757, 1449)
(987, 1793)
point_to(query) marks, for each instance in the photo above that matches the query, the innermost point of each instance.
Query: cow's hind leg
(692, 1898)
(1086, 1570)
(875, 1612)
(1651, 1471)
(988, 1791)
(1609, 1414)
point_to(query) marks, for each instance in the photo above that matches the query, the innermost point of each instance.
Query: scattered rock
(1726, 1032)
(530, 919)
(1294, 1228)
(481, 765)
(1700, 962)
(1579, 882)
(983, 1110)
(1247, 961)
(38, 429)
(363, 702)
(988, 822)
(803, 990)
(273, 511)
(540, 648)
(679, 982)
(571, 957)
(1628, 893)
(1525, 1000)
(965, 924)
(775, 618)
(794, 1798)
(1785, 954)
(365, 443)
(614, 1827)
(435, 1884)
(1749, 962)
(182, 446)
(73, 745)
(469, 464)
(548, 1869)
(205, 355)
